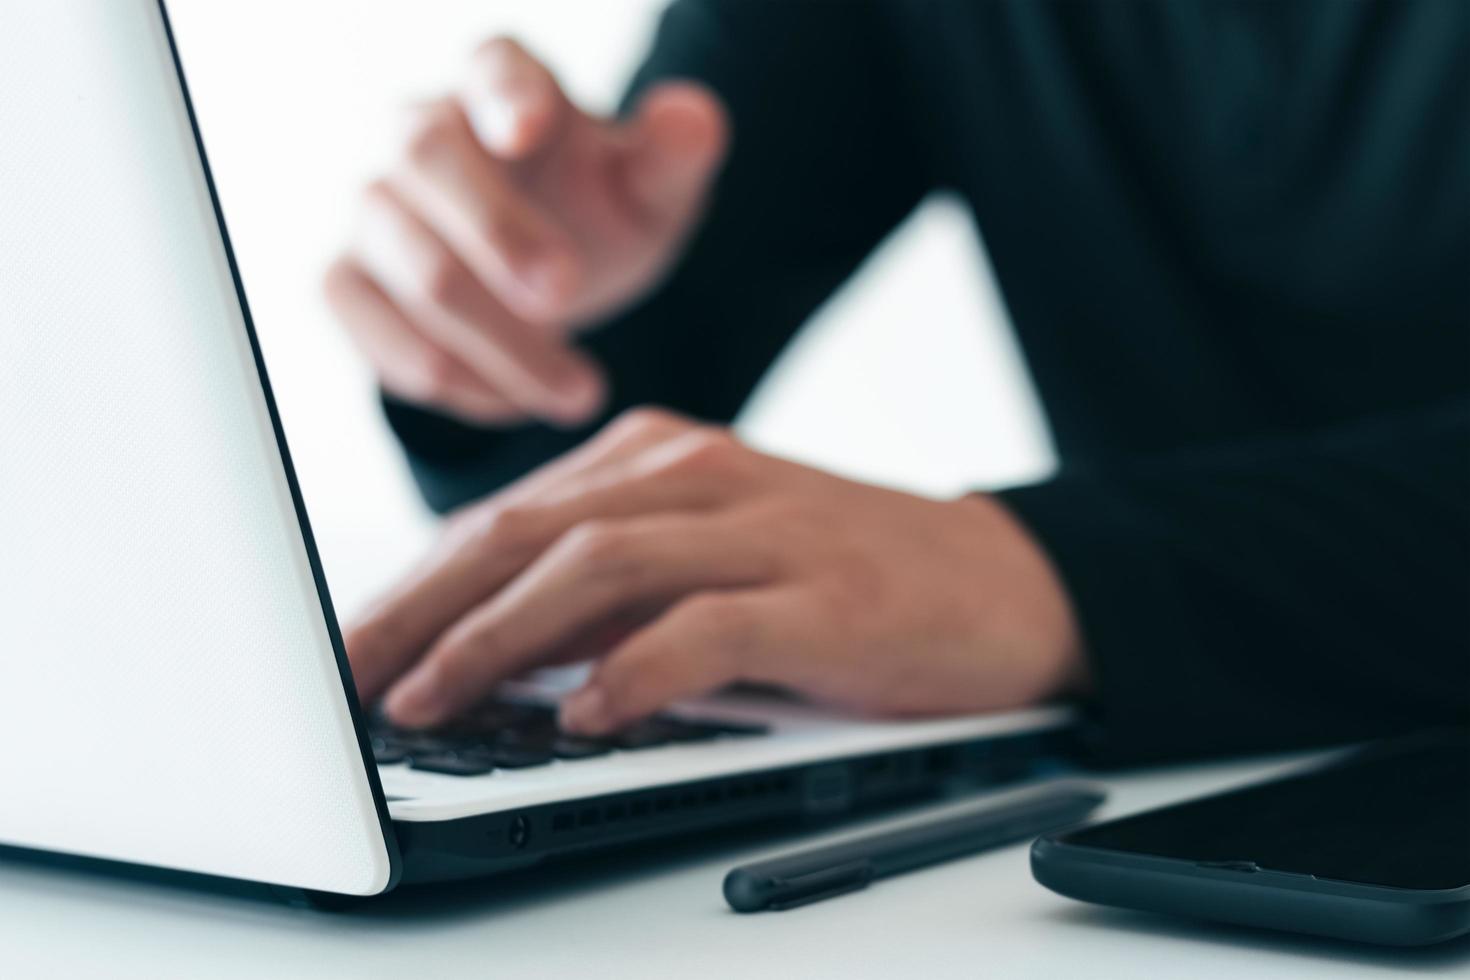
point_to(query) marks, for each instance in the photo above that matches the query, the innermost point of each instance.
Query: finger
(626, 436)
(644, 460)
(408, 364)
(594, 643)
(516, 249)
(679, 136)
(531, 368)
(513, 102)
(486, 553)
(703, 643)
(703, 467)
(457, 573)
(593, 575)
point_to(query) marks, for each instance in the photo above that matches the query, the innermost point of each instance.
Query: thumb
(678, 139)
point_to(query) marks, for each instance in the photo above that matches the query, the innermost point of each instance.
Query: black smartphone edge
(1240, 893)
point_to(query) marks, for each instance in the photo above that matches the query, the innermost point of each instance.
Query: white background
(908, 377)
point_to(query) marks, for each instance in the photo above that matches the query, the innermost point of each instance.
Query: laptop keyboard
(507, 734)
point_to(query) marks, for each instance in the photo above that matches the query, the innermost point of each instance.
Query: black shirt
(1234, 240)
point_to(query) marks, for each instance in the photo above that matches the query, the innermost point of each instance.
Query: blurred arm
(1293, 592)
(820, 169)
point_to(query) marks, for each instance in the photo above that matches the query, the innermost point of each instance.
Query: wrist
(1029, 610)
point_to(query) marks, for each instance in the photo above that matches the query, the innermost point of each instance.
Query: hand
(512, 219)
(684, 561)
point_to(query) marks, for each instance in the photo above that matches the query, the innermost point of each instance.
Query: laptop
(173, 689)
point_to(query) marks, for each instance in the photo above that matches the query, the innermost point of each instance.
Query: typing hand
(681, 560)
(511, 219)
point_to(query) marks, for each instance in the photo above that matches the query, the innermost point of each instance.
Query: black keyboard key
(644, 735)
(741, 729)
(453, 763)
(495, 716)
(430, 743)
(574, 747)
(524, 757)
(519, 734)
(386, 753)
(664, 730)
(685, 730)
(533, 739)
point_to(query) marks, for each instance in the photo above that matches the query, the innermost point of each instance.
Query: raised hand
(512, 219)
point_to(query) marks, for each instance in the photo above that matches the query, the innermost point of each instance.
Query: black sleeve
(819, 171)
(1303, 591)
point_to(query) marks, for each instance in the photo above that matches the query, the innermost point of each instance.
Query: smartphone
(1373, 846)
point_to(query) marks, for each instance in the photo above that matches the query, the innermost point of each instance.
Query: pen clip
(816, 885)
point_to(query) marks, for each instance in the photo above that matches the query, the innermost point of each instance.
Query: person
(1234, 239)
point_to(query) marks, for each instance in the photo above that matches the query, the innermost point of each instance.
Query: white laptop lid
(170, 689)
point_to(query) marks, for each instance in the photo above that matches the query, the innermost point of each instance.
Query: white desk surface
(978, 917)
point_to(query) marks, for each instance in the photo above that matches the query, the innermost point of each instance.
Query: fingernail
(500, 120)
(496, 122)
(412, 702)
(585, 711)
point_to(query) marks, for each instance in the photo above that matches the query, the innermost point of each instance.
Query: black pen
(1000, 818)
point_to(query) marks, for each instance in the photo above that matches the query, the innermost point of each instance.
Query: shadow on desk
(449, 910)
(1162, 928)
(412, 907)
(555, 881)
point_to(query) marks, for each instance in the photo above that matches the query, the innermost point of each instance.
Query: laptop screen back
(169, 690)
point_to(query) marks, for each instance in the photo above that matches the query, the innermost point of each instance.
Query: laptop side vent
(637, 808)
(516, 839)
